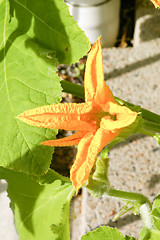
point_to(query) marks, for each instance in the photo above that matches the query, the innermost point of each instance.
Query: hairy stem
(145, 212)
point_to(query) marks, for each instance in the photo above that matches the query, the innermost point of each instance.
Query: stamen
(113, 117)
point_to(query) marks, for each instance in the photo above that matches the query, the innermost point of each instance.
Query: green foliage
(39, 207)
(146, 234)
(129, 238)
(98, 182)
(31, 45)
(50, 24)
(153, 234)
(105, 233)
(156, 212)
(157, 137)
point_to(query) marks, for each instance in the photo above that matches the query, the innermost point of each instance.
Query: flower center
(113, 117)
(105, 114)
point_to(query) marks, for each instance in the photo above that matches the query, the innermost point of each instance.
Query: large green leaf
(27, 80)
(103, 233)
(39, 208)
(49, 22)
(28, 76)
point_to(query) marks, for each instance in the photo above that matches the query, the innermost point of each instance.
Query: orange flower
(156, 3)
(98, 121)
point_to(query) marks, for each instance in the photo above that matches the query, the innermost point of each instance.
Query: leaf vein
(41, 206)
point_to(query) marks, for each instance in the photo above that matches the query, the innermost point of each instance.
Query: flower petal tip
(156, 3)
(21, 117)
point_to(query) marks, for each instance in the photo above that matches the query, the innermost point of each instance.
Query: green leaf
(156, 212)
(147, 234)
(144, 234)
(155, 235)
(62, 229)
(157, 137)
(39, 207)
(129, 238)
(103, 233)
(39, 33)
(27, 80)
(50, 23)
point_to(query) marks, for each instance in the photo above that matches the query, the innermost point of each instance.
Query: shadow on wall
(152, 19)
(121, 222)
(3, 186)
(155, 179)
(133, 66)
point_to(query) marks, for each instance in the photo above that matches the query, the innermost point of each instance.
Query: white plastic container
(97, 17)
(7, 228)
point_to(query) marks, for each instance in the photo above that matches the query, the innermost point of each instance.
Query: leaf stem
(151, 126)
(75, 89)
(140, 198)
(146, 132)
(145, 205)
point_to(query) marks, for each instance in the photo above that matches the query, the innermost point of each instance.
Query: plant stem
(75, 89)
(151, 126)
(129, 196)
(146, 132)
(150, 116)
(145, 208)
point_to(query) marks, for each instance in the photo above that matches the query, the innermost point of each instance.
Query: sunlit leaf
(157, 137)
(39, 207)
(129, 238)
(27, 80)
(38, 34)
(103, 233)
(156, 212)
(50, 23)
(147, 234)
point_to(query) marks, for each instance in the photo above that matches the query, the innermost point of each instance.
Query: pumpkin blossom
(156, 3)
(98, 121)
